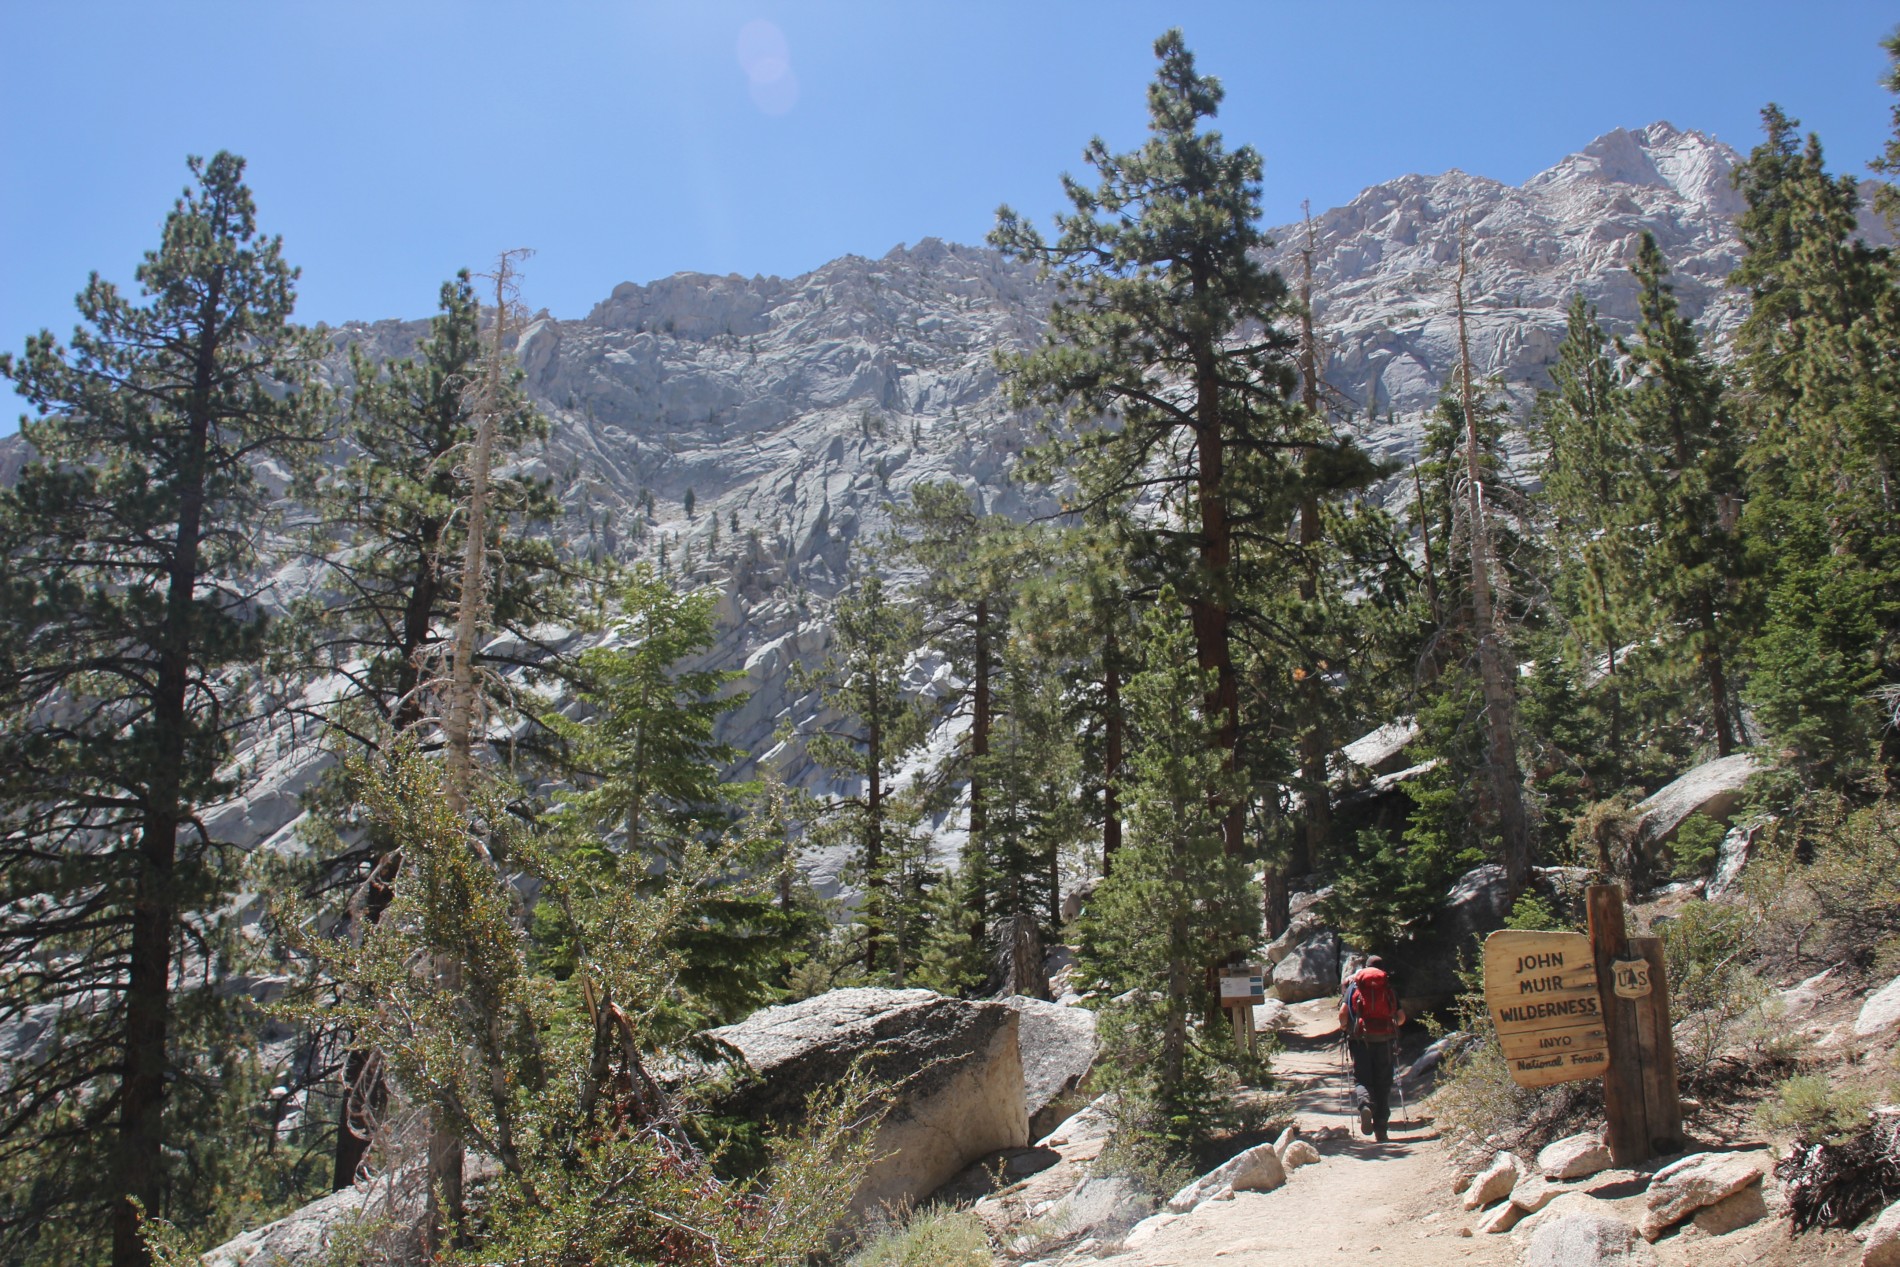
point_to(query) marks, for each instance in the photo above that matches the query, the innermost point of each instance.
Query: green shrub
(1713, 995)
(1534, 914)
(928, 1238)
(1827, 879)
(1698, 841)
(1813, 1111)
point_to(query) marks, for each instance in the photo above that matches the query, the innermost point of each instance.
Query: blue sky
(392, 142)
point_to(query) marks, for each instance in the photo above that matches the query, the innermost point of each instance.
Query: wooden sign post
(1640, 1094)
(1541, 989)
(1242, 987)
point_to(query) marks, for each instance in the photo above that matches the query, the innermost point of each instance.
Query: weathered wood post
(1640, 1095)
(1656, 1039)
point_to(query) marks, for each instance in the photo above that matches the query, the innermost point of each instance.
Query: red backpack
(1371, 1004)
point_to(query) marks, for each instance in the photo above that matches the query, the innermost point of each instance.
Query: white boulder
(954, 1069)
(1713, 789)
(1881, 1011)
(1256, 1170)
(1310, 970)
(1058, 1051)
(1581, 1237)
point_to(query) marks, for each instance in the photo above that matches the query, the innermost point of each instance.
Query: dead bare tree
(447, 1205)
(1500, 696)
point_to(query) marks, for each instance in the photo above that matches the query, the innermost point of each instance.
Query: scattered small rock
(1494, 1182)
(1299, 1153)
(1498, 1219)
(1574, 1157)
(1533, 1193)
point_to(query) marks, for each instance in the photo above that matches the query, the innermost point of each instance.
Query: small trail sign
(1242, 983)
(1630, 978)
(1541, 989)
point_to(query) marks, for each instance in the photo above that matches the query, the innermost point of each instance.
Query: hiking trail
(1364, 1198)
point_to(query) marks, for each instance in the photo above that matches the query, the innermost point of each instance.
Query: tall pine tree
(132, 629)
(1167, 324)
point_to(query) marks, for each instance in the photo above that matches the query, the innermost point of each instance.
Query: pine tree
(880, 723)
(651, 784)
(1078, 625)
(1589, 476)
(1685, 496)
(551, 1076)
(1158, 269)
(1178, 900)
(1497, 677)
(132, 632)
(970, 561)
(1816, 356)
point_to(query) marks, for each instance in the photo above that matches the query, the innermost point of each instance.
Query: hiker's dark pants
(1372, 1077)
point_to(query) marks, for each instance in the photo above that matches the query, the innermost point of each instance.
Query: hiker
(1370, 1015)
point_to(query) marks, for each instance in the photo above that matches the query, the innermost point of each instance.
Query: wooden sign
(1630, 978)
(1242, 984)
(1541, 989)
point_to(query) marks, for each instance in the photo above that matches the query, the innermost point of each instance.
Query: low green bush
(935, 1237)
(1697, 843)
(1811, 1110)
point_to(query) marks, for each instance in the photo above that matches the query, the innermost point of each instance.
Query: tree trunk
(364, 1093)
(1499, 695)
(447, 1207)
(873, 839)
(1710, 654)
(980, 709)
(1315, 744)
(1112, 754)
(1209, 609)
(139, 1157)
(1425, 533)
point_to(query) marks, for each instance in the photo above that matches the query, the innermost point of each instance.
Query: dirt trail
(1363, 1199)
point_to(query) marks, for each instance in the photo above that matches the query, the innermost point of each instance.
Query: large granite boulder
(954, 1068)
(1427, 972)
(382, 1215)
(1310, 970)
(1058, 1050)
(1713, 789)
(1880, 1013)
(1883, 1240)
(1476, 904)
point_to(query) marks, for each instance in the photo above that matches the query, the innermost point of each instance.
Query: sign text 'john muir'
(1541, 989)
